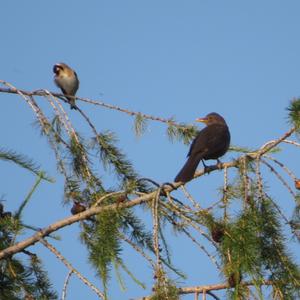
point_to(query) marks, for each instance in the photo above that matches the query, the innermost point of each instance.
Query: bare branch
(64, 291)
(137, 248)
(71, 268)
(13, 90)
(212, 287)
(216, 287)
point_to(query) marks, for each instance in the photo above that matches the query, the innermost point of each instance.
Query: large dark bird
(66, 79)
(211, 142)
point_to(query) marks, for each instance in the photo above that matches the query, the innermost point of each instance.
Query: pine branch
(28, 197)
(111, 155)
(24, 162)
(242, 238)
(42, 285)
(102, 240)
(140, 124)
(42, 93)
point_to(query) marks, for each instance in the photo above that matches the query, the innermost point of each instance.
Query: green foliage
(125, 268)
(140, 124)
(277, 261)
(56, 127)
(240, 149)
(254, 246)
(80, 163)
(103, 242)
(26, 200)
(101, 238)
(295, 222)
(137, 232)
(184, 133)
(164, 288)
(240, 245)
(41, 287)
(24, 162)
(18, 279)
(294, 113)
(251, 245)
(168, 292)
(136, 229)
(111, 155)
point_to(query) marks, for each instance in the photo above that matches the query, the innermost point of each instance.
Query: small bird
(77, 208)
(66, 79)
(211, 142)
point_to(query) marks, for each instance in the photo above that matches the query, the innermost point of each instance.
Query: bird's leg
(206, 168)
(219, 164)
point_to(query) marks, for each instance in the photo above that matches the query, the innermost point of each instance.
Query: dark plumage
(77, 208)
(211, 142)
(66, 79)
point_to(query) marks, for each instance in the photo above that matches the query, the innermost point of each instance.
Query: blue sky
(166, 58)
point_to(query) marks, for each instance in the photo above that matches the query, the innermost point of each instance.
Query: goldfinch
(66, 79)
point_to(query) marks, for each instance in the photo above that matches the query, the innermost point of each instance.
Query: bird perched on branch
(77, 208)
(66, 79)
(211, 142)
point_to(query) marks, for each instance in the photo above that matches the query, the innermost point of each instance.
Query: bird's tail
(72, 103)
(188, 170)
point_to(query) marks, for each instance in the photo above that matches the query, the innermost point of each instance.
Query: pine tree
(244, 232)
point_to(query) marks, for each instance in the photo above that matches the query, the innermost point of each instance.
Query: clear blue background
(166, 58)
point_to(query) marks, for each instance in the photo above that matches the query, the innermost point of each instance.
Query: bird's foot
(164, 186)
(219, 164)
(207, 169)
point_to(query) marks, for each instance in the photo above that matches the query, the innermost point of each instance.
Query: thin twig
(183, 207)
(225, 190)
(101, 199)
(137, 248)
(60, 112)
(155, 217)
(178, 212)
(284, 167)
(245, 180)
(27, 97)
(64, 291)
(71, 268)
(259, 182)
(190, 197)
(13, 90)
(272, 144)
(279, 177)
(211, 257)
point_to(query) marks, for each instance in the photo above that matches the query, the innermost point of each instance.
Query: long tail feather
(188, 170)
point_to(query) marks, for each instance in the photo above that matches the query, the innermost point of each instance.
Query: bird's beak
(202, 120)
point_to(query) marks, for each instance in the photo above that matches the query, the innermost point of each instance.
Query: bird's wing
(207, 139)
(64, 91)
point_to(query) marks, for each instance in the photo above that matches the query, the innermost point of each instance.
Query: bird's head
(212, 118)
(60, 68)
